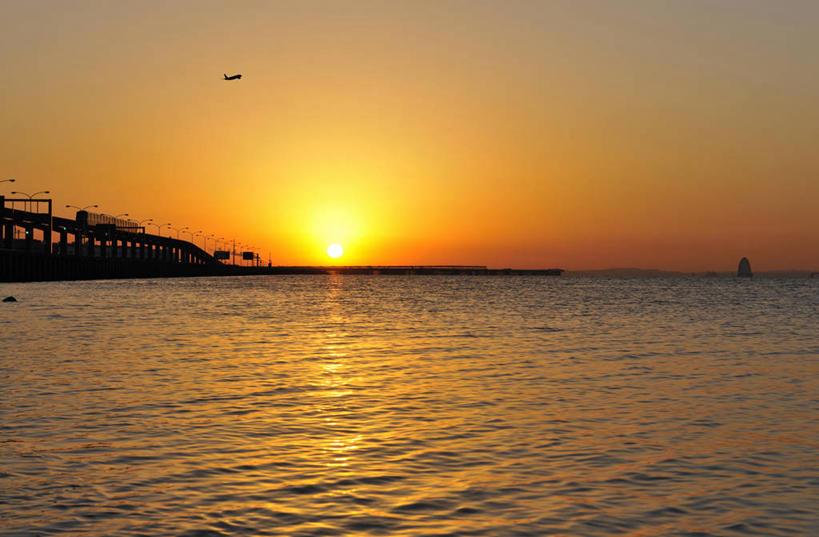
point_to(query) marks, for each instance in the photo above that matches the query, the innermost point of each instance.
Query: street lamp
(80, 208)
(178, 231)
(146, 221)
(123, 214)
(6, 180)
(235, 244)
(30, 196)
(205, 240)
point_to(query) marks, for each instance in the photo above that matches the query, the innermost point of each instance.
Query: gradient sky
(673, 135)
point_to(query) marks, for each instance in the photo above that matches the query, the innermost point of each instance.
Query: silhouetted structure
(744, 269)
(103, 247)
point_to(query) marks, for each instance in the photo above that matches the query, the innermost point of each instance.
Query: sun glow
(335, 251)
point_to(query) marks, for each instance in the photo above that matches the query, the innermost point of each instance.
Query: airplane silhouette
(234, 77)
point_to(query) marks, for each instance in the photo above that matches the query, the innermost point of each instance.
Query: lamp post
(31, 196)
(146, 221)
(80, 208)
(178, 231)
(6, 180)
(118, 215)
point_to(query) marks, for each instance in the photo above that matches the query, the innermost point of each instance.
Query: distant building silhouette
(744, 270)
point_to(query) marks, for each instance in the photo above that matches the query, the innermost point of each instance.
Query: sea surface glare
(409, 406)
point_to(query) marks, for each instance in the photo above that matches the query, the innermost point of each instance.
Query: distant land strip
(633, 272)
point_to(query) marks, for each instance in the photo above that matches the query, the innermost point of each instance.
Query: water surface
(410, 405)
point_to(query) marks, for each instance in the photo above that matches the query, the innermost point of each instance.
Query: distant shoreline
(657, 273)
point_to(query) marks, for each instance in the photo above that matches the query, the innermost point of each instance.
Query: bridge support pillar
(8, 238)
(47, 238)
(29, 238)
(63, 243)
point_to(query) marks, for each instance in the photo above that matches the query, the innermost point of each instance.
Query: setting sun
(335, 251)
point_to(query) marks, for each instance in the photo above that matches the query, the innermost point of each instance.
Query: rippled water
(378, 405)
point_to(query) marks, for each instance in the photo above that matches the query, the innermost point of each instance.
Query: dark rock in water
(744, 270)
(9, 299)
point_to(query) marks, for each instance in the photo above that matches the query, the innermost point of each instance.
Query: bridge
(96, 250)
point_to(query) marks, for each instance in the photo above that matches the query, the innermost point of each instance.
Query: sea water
(409, 406)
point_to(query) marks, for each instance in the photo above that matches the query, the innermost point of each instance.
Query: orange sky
(579, 135)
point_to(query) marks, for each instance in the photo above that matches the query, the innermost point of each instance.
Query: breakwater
(23, 266)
